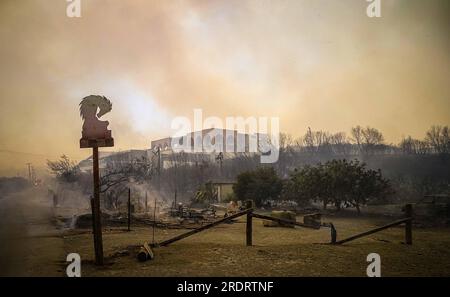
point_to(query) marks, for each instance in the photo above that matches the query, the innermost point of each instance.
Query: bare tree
(64, 169)
(357, 137)
(317, 141)
(367, 139)
(410, 146)
(286, 151)
(340, 143)
(372, 136)
(438, 139)
(117, 174)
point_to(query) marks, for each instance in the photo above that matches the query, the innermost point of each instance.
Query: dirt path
(30, 244)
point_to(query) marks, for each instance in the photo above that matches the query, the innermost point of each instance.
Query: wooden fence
(145, 254)
(249, 225)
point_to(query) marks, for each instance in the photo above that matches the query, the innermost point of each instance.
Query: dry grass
(221, 251)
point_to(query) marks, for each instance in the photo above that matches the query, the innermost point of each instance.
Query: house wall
(223, 190)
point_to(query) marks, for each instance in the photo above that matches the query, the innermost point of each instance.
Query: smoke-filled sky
(317, 63)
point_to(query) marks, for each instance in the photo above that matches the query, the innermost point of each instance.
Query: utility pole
(33, 175)
(146, 202)
(159, 161)
(29, 171)
(219, 159)
(159, 168)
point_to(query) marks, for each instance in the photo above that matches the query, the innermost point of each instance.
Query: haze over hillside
(322, 64)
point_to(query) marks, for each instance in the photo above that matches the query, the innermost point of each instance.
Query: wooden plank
(283, 221)
(192, 232)
(398, 222)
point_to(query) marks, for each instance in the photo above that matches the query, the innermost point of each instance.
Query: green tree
(308, 183)
(339, 182)
(258, 185)
(367, 185)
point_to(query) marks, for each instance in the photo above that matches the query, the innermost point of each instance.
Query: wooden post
(154, 222)
(333, 234)
(95, 134)
(408, 224)
(98, 241)
(129, 208)
(249, 206)
(146, 202)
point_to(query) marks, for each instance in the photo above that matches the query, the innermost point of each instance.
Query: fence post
(333, 234)
(408, 224)
(249, 206)
(129, 208)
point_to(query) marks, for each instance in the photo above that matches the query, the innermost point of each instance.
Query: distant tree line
(366, 141)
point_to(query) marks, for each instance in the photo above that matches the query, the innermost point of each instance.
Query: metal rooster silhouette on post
(95, 133)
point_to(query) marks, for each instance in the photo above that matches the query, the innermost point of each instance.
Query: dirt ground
(32, 245)
(221, 251)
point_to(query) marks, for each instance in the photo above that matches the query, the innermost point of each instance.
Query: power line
(26, 153)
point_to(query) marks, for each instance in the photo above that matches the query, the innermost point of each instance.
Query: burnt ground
(221, 251)
(32, 245)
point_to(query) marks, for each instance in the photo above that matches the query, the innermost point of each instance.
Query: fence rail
(284, 221)
(202, 228)
(408, 228)
(249, 227)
